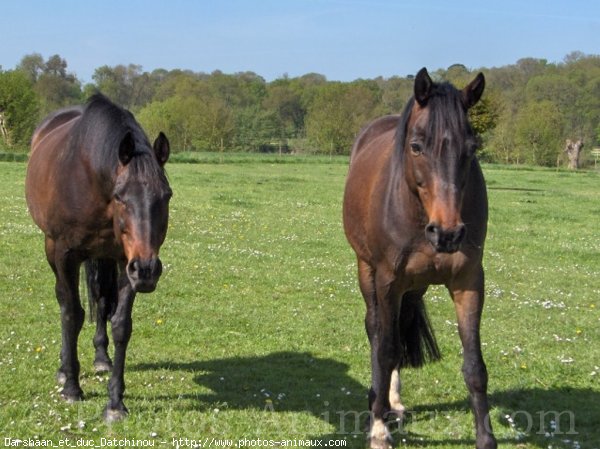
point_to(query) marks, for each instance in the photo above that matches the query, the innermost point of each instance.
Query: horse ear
(126, 148)
(423, 87)
(162, 149)
(472, 93)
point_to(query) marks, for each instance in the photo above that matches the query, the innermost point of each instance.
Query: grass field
(256, 328)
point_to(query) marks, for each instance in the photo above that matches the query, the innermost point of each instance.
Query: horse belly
(40, 192)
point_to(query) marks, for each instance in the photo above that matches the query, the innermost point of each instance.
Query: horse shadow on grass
(530, 417)
(279, 383)
(283, 382)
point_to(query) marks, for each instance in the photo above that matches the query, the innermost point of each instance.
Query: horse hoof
(71, 398)
(102, 367)
(397, 409)
(378, 443)
(114, 415)
(380, 437)
(487, 442)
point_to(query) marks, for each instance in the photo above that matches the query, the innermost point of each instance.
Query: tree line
(528, 111)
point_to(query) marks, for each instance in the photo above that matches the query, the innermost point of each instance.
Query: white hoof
(397, 409)
(379, 437)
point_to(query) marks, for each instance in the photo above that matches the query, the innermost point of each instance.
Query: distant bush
(13, 157)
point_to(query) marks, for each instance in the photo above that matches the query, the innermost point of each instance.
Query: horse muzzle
(445, 240)
(143, 274)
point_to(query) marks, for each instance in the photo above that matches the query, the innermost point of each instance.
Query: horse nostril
(445, 240)
(459, 234)
(133, 268)
(156, 268)
(432, 230)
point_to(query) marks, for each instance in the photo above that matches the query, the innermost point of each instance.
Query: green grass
(256, 328)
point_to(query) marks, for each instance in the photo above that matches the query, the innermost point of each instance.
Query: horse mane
(100, 131)
(446, 111)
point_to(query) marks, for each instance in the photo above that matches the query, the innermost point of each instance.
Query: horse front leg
(65, 265)
(468, 302)
(121, 324)
(384, 360)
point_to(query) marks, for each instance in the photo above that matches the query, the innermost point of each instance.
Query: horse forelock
(446, 119)
(144, 167)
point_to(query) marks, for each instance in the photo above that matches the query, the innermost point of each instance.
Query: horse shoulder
(366, 183)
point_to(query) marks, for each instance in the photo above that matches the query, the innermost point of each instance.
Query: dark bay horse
(98, 191)
(415, 213)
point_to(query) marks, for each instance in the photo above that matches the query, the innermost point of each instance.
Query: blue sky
(341, 39)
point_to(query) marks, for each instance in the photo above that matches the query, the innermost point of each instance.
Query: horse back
(373, 130)
(53, 122)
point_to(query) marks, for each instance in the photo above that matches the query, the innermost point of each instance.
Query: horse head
(438, 148)
(140, 205)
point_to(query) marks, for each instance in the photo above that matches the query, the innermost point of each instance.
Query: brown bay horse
(98, 191)
(415, 213)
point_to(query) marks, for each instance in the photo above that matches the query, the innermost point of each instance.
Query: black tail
(101, 277)
(417, 341)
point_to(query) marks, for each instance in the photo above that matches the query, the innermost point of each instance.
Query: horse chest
(94, 236)
(425, 267)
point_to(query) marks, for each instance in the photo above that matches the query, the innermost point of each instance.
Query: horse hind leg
(101, 276)
(396, 405)
(416, 343)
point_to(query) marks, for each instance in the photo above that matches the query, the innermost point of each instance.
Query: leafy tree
(19, 106)
(502, 144)
(395, 93)
(33, 65)
(52, 83)
(190, 123)
(484, 115)
(337, 114)
(127, 86)
(286, 103)
(257, 129)
(539, 131)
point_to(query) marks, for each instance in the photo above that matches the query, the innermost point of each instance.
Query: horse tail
(101, 280)
(417, 340)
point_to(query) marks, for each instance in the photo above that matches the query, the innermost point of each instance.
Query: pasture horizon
(256, 328)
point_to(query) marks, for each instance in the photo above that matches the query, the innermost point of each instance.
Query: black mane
(100, 131)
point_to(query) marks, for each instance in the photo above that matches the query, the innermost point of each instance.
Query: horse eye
(473, 146)
(416, 148)
(118, 199)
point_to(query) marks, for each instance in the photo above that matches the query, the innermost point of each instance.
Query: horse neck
(401, 198)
